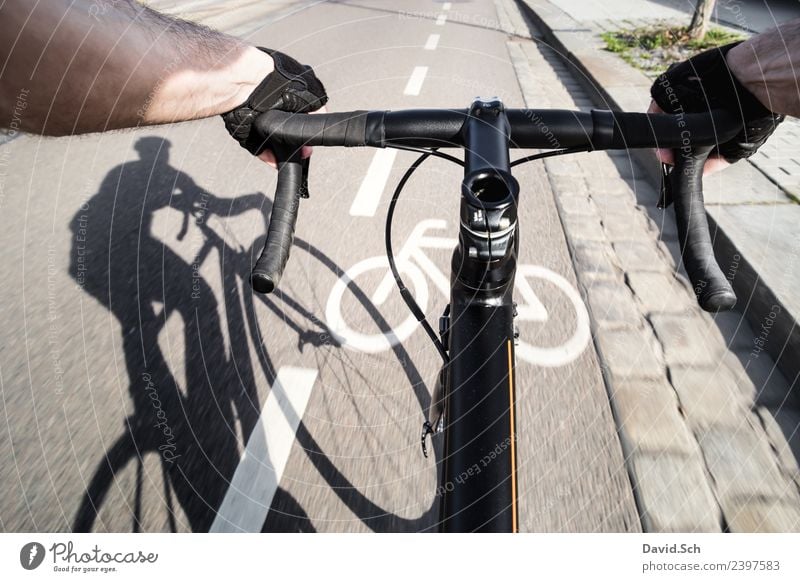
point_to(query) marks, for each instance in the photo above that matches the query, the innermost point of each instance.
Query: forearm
(768, 65)
(82, 66)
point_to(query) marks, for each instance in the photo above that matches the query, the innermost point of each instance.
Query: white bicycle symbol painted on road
(412, 261)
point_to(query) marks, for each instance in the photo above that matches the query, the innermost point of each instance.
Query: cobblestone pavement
(701, 412)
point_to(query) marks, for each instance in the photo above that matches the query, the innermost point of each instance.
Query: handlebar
(598, 129)
(292, 185)
(693, 135)
(712, 290)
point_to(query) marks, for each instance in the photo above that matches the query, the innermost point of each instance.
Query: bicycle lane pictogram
(418, 269)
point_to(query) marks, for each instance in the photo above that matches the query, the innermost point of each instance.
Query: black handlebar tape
(712, 289)
(431, 128)
(347, 129)
(280, 233)
(636, 130)
(530, 128)
(549, 128)
(556, 128)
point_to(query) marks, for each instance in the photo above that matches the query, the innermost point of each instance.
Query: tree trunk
(701, 19)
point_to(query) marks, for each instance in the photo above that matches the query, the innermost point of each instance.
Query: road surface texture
(146, 388)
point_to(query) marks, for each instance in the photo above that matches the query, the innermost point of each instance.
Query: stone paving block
(645, 194)
(709, 396)
(566, 186)
(653, 224)
(640, 256)
(612, 305)
(610, 204)
(743, 464)
(595, 260)
(665, 228)
(626, 164)
(674, 251)
(778, 158)
(672, 264)
(764, 236)
(783, 431)
(741, 184)
(659, 292)
(630, 353)
(760, 380)
(687, 339)
(611, 186)
(601, 168)
(583, 228)
(760, 336)
(735, 330)
(627, 227)
(565, 167)
(749, 515)
(578, 205)
(674, 494)
(648, 417)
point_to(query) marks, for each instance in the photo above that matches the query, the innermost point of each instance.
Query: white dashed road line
(441, 19)
(414, 85)
(369, 194)
(433, 41)
(447, 5)
(261, 467)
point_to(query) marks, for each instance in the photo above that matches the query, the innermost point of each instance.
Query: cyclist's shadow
(142, 281)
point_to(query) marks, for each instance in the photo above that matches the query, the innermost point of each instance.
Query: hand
(705, 83)
(714, 163)
(291, 86)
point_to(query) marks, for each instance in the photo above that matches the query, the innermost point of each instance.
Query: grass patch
(650, 38)
(653, 48)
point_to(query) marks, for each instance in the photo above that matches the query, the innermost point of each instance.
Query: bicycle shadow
(117, 260)
(193, 425)
(374, 516)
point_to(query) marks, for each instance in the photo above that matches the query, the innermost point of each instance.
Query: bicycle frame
(478, 481)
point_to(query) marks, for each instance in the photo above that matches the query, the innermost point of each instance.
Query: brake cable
(404, 292)
(432, 152)
(408, 298)
(550, 154)
(428, 428)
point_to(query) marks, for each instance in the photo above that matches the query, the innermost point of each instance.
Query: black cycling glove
(290, 87)
(703, 83)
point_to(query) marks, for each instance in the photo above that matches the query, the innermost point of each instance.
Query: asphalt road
(136, 365)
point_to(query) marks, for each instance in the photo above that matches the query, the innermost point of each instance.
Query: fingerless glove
(703, 83)
(290, 87)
